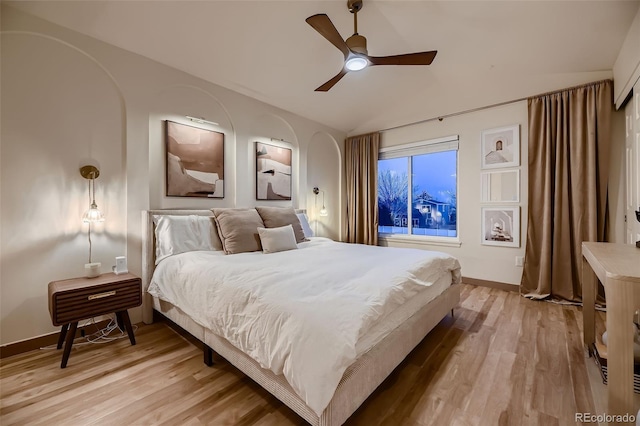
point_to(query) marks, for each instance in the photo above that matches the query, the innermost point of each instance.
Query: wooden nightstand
(80, 298)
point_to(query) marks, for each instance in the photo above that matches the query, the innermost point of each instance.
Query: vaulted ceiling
(488, 52)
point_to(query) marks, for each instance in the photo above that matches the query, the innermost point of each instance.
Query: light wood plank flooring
(502, 360)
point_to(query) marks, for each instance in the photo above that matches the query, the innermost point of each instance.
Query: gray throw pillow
(276, 217)
(238, 229)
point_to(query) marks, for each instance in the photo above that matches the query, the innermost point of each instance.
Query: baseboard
(491, 284)
(46, 340)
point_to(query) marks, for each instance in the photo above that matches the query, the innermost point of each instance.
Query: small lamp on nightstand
(92, 215)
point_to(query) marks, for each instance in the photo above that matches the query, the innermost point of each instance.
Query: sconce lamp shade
(92, 215)
(323, 211)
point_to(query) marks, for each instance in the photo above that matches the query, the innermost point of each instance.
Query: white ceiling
(488, 52)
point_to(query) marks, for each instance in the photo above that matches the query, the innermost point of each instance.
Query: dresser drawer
(75, 300)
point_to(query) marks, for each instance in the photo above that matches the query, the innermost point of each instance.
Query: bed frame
(359, 380)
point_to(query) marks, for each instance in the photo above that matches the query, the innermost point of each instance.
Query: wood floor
(502, 360)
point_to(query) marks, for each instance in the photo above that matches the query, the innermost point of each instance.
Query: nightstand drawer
(73, 300)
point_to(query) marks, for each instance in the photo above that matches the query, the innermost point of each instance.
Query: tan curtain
(569, 139)
(361, 164)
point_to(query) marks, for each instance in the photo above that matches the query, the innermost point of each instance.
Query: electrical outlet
(519, 260)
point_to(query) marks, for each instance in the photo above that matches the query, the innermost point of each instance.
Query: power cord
(100, 336)
(103, 335)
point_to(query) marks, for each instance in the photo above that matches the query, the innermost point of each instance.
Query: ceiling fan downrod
(354, 7)
(356, 42)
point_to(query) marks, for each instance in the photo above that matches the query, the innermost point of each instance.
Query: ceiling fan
(355, 47)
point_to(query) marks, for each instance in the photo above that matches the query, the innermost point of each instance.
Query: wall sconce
(92, 215)
(323, 210)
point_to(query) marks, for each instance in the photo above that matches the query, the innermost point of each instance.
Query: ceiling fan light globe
(356, 63)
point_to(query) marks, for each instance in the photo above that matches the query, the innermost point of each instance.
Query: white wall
(632, 169)
(478, 261)
(68, 99)
(323, 153)
(626, 69)
(489, 262)
(617, 210)
(626, 74)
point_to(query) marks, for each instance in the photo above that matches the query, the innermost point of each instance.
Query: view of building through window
(433, 210)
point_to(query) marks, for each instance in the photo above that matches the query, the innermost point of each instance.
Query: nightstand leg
(71, 334)
(63, 334)
(124, 317)
(119, 321)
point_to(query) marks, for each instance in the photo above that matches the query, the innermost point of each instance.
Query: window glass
(430, 182)
(434, 194)
(393, 195)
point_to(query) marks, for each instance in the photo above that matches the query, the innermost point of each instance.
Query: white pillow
(180, 234)
(305, 225)
(277, 239)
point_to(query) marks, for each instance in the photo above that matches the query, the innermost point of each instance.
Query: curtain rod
(454, 114)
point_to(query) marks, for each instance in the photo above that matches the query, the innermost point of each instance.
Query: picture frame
(273, 171)
(194, 161)
(500, 186)
(501, 226)
(500, 147)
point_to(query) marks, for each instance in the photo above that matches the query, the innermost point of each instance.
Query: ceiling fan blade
(329, 84)
(421, 58)
(322, 24)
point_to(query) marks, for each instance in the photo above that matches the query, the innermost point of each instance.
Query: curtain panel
(361, 170)
(569, 141)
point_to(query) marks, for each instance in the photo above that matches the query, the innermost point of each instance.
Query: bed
(386, 335)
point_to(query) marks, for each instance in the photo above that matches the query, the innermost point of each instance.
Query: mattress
(390, 322)
(271, 306)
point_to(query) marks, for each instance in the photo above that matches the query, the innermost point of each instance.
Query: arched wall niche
(53, 127)
(324, 170)
(175, 103)
(270, 129)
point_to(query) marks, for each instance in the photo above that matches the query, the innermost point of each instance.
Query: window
(417, 188)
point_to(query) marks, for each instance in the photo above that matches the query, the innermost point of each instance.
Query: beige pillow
(277, 239)
(238, 229)
(275, 217)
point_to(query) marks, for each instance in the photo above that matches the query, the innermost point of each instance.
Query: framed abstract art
(273, 172)
(195, 161)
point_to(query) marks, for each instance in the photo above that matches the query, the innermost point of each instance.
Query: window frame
(447, 143)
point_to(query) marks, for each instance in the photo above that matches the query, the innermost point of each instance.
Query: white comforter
(301, 312)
